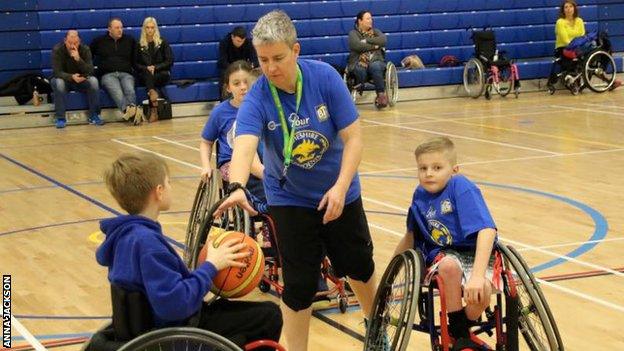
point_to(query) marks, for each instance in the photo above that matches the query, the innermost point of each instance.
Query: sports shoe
(465, 344)
(381, 101)
(60, 123)
(96, 120)
(615, 84)
(139, 118)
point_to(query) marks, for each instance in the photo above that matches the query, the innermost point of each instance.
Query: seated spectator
(115, 56)
(568, 26)
(233, 47)
(367, 56)
(73, 70)
(153, 61)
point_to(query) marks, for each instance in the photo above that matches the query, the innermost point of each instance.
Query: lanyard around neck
(289, 137)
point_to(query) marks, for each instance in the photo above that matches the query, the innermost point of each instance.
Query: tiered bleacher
(431, 29)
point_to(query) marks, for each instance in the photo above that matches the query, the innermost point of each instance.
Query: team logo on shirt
(308, 148)
(322, 113)
(440, 233)
(446, 206)
(431, 212)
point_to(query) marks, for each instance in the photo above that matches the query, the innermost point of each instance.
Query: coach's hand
(333, 200)
(237, 197)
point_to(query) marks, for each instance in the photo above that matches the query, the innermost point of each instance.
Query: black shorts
(302, 240)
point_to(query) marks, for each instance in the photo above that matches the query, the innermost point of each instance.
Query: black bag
(23, 86)
(163, 109)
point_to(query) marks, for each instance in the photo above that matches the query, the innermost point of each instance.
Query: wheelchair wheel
(233, 219)
(535, 319)
(206, 195)
(349, 81)
(392, 84)
(506, 81)
(391, 320)
(474, 78)
(599, 71)
(180, 338)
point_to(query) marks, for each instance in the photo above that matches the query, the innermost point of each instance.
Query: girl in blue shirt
(220, 127)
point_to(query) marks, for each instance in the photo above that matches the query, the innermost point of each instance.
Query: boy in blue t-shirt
(139, 258)
(450, 224)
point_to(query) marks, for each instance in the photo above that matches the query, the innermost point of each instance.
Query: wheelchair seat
(132, 316)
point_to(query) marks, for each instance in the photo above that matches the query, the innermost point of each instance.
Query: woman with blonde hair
(153, 59)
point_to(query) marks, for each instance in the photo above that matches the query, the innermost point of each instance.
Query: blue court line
(75, 192)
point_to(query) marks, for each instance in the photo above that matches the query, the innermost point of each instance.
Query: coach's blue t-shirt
(220, 127)
(451, 218)
(326, 108)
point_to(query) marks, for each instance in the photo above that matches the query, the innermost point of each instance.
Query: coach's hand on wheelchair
(235, 198)
(333, 201)
(227, 254)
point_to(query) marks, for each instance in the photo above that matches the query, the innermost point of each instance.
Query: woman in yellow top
(569, 26)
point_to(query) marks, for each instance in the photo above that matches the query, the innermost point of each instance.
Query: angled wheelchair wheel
(180, 338)
(599, 71)
(474, 78)
(349, 81)
(233, 219)
(506, 81)
(206, 195)
(535, 319)
(395, 303)
(392, 83)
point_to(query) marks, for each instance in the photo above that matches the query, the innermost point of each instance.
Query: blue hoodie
(139, 259)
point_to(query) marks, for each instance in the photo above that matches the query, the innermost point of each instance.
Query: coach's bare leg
(365, 293)
(296, 328)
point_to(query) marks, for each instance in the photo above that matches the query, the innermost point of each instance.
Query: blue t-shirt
(449, 219)
(220, 127)
(326, 108)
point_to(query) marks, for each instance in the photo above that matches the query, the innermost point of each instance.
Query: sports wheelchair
(590, 65)
(391, 84)
(132, 329)
(402, 295)
(489, 69)
(208, 198)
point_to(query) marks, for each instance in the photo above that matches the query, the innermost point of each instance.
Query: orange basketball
(237, 281)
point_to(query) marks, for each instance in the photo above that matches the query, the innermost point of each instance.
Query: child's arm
(205, 152)
(474, 289)
(406, 243)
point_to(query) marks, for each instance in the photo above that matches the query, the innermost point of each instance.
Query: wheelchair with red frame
(208, 197)
(520, 306)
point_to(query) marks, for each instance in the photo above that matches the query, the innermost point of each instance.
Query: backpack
(412, 62)
(580, 46)
(449, 61)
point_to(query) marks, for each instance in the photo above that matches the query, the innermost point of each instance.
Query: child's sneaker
(465, 344)
(95, 119)
(60, 123)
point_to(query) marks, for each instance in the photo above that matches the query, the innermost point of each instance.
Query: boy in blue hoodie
(451, 225)
(139, 258)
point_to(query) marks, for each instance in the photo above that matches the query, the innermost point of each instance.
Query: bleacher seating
(428, 28)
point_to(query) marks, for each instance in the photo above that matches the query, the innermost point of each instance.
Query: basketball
(237, 281)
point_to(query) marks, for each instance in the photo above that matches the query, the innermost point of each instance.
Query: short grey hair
(275, 27)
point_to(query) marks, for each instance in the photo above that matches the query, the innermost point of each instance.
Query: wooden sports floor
(550, 168)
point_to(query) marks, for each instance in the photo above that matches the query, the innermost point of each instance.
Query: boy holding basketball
(139, 258)
(451, 225)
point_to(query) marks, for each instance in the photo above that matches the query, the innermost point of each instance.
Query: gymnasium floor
(550, 168)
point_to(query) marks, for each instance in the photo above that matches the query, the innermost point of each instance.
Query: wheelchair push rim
(180, 338)
(206, 195)
(534, 317)
(392, 84)
(505, 84)
(474, 78)
(599, 71)
(395, 304)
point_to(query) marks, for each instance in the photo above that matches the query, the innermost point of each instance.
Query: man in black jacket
(73, 70)
(233, 47)
(115, 56)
